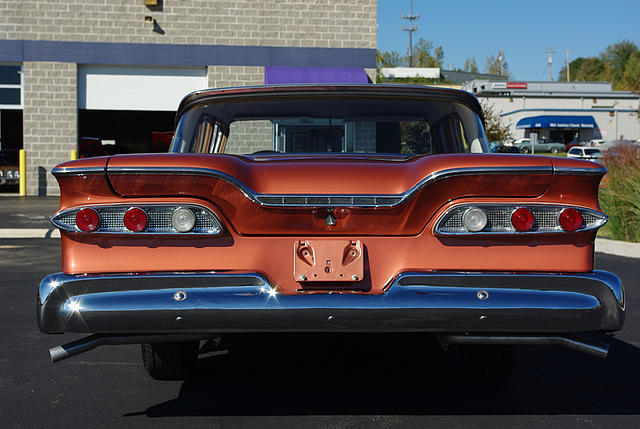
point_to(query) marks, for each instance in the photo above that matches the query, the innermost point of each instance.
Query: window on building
(10, 87)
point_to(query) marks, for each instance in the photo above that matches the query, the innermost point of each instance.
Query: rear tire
(487, 361)
(524, 150)
(170, 361)
(554, 150)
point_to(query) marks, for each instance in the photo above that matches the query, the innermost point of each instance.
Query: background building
(562, 111)
(434, 76)
(103, 71)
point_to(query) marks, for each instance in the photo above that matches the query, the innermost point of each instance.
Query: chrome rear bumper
(181, 303)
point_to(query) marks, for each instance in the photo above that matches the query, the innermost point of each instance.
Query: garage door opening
(130, 109)
(109, 132)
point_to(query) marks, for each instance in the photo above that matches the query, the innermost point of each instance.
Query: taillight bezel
(208, 224)
(131, 224)
(96, 221)
(531, 221)
(563, 212)
(550, 210)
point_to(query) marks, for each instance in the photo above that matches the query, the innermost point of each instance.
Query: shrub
(620, 191)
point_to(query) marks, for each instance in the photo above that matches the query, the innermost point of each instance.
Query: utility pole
(551, 51)
(411, 17)
(567, 51)
(500, 58)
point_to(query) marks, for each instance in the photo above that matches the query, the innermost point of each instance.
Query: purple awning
(277, 75)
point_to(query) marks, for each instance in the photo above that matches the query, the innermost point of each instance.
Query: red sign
(516, 85)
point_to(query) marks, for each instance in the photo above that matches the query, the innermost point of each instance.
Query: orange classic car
(328, 208)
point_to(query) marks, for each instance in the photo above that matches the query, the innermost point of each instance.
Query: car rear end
(168, 248)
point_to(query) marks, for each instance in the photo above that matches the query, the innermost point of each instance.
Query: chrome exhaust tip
(85, 344)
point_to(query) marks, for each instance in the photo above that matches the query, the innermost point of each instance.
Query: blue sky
(522, 29)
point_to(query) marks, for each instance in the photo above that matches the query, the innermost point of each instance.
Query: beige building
(108, 75)
(562, 111)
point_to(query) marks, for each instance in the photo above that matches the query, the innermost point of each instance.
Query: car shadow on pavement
(397, 375)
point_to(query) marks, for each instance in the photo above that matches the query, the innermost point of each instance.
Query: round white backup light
(183, 220)
(474, 219)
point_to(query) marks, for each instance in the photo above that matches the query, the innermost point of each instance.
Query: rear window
(331, 125)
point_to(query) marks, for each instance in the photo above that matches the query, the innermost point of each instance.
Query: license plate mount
(328, 261)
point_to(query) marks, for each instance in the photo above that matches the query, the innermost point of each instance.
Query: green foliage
(631, 76)
(496, 132)
(424, 55)
(388, 59)
(616, 57)
(620, 192)
(492, 65)
(414, 80)
(619, 64)
(470, 65)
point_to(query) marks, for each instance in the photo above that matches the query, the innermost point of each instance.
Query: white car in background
(584, 152)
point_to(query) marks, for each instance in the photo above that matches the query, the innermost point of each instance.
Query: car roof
(262, 92)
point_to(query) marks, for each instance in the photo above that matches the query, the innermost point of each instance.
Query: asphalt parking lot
(312, 381)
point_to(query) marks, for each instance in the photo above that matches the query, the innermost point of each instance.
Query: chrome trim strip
(435, 302)
(258, 198)
(436, 229)
(55, 219)
(398, 198)
(580, 170)
(77, 171)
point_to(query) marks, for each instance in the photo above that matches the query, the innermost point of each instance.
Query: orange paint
(393, 240)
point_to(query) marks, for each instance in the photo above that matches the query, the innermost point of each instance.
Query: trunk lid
(293, 195)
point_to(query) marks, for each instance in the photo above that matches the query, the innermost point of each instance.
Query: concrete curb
(29, 233)
(603, 245)
(618, 248)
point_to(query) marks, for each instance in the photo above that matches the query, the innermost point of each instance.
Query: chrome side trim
(77, 171)
(413, 302)
(185, 171)
(579, 170)
(326, 200)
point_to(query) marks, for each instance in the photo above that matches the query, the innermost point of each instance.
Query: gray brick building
(115, 70)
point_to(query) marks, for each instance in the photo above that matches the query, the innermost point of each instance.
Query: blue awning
(277, 75)
(557, 121)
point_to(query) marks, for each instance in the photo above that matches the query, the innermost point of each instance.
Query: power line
(411, 17)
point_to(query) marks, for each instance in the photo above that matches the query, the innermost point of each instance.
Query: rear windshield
(592, 151)
(331, 125)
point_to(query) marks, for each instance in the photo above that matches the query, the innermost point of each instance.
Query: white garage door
(137, 88)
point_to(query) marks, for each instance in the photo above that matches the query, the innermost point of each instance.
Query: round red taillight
(135, 219)
(522, 219)
(87, 220)
(570, 220)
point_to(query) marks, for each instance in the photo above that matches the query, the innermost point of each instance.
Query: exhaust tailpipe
(584, 345)
(83, 345)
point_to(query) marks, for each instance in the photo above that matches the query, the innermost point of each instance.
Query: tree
(619, 64)
(423, 56)
(496, 131)
(388, 59)
(470, 65)
(582, 69)
(497, 65)
(616, 57)
(631, 76)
